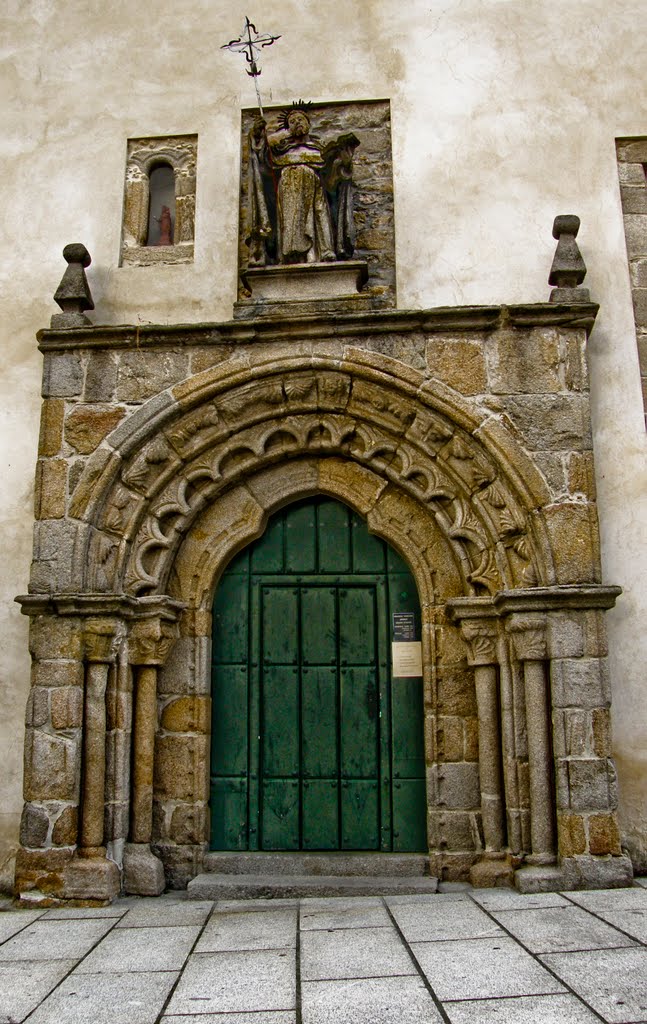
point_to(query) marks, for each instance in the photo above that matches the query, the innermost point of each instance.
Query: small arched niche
(159, 201)
(161, 205)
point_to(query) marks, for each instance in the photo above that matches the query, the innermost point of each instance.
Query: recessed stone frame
(165, 451)
(370, 121)
(632, 169)
(179, 152)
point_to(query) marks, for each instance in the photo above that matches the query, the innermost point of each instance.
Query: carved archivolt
(227, 431)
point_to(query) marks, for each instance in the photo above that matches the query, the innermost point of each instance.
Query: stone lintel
(452, 319)
(460, 608)
(99, 605)
(578, 597)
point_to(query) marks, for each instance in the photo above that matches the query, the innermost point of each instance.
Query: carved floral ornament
(231, 433)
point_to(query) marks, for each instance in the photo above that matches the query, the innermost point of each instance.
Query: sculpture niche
(300, 193)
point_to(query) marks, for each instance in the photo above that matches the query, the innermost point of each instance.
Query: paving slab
(141, 950)
(482, 969)
(367, 1000)
(74, 913)
(609, 899)
(106, 999)
(55, 940)
(508, 899)
(149, 913)
(279, 1017)
(343, 902)
(317, 915)
(633, 922)
(612, 981)
(452, 920)
(223, 983)
(432, 900)
(245, 906)
(353, 953)
(522, 1010)
(24, 984)
(642, 882)
(13, 921)
(560, 928)
(263, 929)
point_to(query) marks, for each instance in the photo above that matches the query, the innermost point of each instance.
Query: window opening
(161, 209)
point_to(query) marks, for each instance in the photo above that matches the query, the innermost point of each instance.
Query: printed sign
(406, 658)
(404, 627)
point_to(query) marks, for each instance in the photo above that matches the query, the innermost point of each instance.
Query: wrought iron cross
(250, 45)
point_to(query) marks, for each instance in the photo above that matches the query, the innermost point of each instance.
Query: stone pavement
(465, 957)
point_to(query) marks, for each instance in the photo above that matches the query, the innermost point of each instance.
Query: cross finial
(251, 45)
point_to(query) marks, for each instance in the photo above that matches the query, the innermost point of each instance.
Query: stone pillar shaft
(542, 827)
(489, 756)
(480, 631)
(512, 795)
(149, 643)
(94, 756)
(529, 643)
(144, 743)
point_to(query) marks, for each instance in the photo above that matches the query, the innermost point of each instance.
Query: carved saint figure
(164, 222)
(294, 180)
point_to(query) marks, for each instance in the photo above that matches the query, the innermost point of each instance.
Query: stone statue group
(300, 193)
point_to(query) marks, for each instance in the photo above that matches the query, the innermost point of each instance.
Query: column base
(585, 872)
(143, 871)
(588, 872)
(91, 878)
(539, 878)
(492, 872)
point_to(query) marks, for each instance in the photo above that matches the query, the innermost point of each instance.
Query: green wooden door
(315, 746)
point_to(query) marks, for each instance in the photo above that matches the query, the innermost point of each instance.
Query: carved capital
(480, 638)
(101, 639)
(528, 633)
(150, 640)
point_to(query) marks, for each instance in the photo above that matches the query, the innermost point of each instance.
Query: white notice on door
(407, 658)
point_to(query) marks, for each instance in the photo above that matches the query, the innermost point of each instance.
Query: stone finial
(568, 269)
(73, 293)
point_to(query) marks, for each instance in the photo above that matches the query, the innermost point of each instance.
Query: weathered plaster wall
(504, 114)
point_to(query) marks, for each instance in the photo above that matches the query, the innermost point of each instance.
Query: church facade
(338, 506)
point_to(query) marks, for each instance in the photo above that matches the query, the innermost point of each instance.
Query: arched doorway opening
(316, 743)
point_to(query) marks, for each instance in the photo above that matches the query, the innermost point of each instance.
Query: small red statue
(164, 222)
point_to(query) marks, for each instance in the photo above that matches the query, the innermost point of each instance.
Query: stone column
(478, 623)
(528, 633)
(481, 647)
(149, 643)
(91, 875)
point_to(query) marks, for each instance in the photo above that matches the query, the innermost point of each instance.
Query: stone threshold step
(214, 886)
(338, 863)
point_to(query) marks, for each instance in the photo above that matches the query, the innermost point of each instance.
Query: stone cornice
(100, 605)
(580, 596)
(450, 319)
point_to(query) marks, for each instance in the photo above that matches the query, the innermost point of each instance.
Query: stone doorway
(153, 477)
